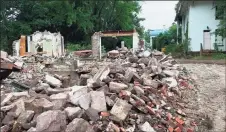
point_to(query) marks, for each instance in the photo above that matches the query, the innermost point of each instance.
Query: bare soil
(207, 100)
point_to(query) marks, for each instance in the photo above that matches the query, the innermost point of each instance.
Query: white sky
(157, 14)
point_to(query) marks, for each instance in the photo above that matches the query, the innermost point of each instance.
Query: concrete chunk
(25, 116)
(129, 75)
(146, 127)
(109, 101)
(76, 93)
(133, 59)
(101, 74)
(150, 82)
(170, 81)
(121, 109)
(49, 121)
(5, 128)
(53, 81)
(92, 114)
(139, 90)
(98, 101)
(168, 73)
(58, 104)
(38, 105)
(59, 96)
(4, 54)
(78, 125)
(19, 64)
(32, 129)
(72, 112)
(117, 86)
(84, 101)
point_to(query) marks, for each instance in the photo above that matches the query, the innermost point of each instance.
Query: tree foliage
(165, 38)
(76, 20)
(221, 13)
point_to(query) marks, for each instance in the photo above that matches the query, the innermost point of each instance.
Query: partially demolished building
(51, 44)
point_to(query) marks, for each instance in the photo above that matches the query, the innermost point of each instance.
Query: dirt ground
(207, 101)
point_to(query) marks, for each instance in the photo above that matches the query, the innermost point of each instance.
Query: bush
(218, 56)
(175, 49)
(76, 47)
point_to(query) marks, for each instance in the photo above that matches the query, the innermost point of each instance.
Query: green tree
(76, 20)
(221, 14)
(166, 38)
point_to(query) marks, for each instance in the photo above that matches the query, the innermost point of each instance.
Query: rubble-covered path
(211, 93)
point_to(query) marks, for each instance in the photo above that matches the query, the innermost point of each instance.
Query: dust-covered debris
(132, 92)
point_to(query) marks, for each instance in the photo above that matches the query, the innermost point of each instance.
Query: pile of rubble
(139, 93)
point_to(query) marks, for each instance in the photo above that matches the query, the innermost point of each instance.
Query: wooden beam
(116, 34)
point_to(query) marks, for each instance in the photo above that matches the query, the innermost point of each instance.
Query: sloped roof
(156, 32)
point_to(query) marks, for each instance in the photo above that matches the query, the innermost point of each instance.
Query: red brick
(169, 116)
(184, 83)
(104, 114)
(170, 129)
(179, 120)
(150, 110)
(136, 83)
(189, 130)
(164, 91)
(193, 123)
(122, 129)
(146, 99)
(180, 126)
(124, 94)
(172, 124)
(177, 129)
(138, 103)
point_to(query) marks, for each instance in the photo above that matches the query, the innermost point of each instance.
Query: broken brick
(170, 129)
(179, 120)
(150, 110)
(104, 114)
(177, 129)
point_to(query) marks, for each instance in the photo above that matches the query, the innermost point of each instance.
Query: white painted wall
(201, 15)
(135, 41)
(52, 43)
(185, 19)
(16, 47)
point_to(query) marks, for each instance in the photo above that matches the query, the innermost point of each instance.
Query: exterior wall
(16, 47)
(96, 44)
(185, 19)
(52, 43)
(222, 45)
(135, 42)
(201, 15)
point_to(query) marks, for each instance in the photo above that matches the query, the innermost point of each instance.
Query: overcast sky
(157, 14)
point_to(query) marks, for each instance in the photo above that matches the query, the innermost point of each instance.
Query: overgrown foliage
(166, 38)
(221, 14)
(147, 39)
(76, 20)
(79, 46)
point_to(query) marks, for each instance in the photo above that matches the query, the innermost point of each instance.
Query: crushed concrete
(140, 91)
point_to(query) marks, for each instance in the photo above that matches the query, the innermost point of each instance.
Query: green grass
(214, 56)
(76, 47)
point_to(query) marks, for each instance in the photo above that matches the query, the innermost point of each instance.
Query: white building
(52, 44)
(202, 22)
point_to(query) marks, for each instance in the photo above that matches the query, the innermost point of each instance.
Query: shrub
(175, 49)
(76, 47)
